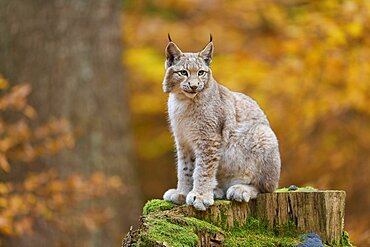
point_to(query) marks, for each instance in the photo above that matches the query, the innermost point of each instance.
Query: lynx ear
(172, 54)
(207, 52)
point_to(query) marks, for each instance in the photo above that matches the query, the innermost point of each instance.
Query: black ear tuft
(210, 37)
(169, 37)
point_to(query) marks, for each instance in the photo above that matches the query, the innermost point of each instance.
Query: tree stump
(308, 211)
(318, 211)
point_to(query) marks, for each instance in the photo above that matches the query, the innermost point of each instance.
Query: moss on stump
(266, 221)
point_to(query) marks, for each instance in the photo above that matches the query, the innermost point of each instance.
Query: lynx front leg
(207, 159)
(185, 168)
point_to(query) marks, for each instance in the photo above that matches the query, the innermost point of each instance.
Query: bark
(70, 52)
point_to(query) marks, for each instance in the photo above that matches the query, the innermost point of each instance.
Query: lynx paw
(173, 195)
(200, 201)
(241, 193)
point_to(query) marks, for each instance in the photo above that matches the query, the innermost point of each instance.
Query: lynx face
(187, 73)
(191, 74)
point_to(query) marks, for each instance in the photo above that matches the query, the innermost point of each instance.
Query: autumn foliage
(30, 192)
(305, 62)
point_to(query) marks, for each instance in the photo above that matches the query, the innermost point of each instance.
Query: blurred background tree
(70, 54)
(305, 62)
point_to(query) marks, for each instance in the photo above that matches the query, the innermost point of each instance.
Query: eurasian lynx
(225, 146)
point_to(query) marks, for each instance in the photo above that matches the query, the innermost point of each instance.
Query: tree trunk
(70, 52)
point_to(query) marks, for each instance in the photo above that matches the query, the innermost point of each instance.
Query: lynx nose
(193, 87)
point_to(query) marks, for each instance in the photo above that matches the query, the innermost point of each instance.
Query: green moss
(344, 241)
(289, 230)
(257, 233)
(200, 225)
(222, 202)
(171, 228)
(306, 188)
(175, 231)
(157, 205)
(260, 240)
(163, 231)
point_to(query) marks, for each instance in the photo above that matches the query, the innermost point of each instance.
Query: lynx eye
(201, 72)
(183, 72)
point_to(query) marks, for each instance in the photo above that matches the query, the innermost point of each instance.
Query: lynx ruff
(225, 145)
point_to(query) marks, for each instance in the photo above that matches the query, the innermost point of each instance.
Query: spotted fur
(225, 145)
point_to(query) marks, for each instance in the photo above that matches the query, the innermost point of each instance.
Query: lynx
(225, 145)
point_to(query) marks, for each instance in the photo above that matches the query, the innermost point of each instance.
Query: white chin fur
(190, 95)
